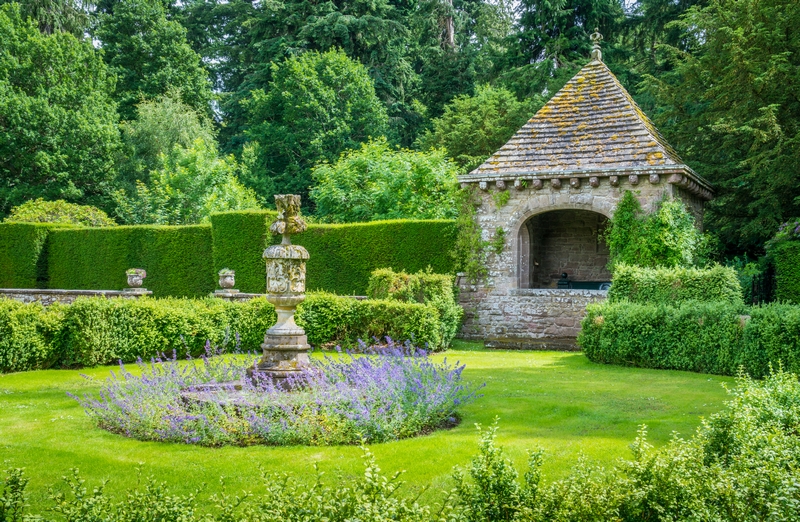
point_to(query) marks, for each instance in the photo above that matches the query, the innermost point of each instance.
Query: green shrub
(675, 285)
(717, 338)
(239, 239)
(437, 290)
(23, 255)
(342, 257)
(104, 331)
(787, 271)
(27, 335)
(177, 259)
(59, 211)
(329, 318)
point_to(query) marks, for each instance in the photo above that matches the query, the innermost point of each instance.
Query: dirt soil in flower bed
(557, 401)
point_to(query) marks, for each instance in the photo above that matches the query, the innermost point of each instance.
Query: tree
(379, 182)
(191, 183)
(472, 128)
(160, 125)
(318, 105)
(59, 211)
(58, 122)
(732, 107)
(68, 16)
(151, 57)
(552, 40)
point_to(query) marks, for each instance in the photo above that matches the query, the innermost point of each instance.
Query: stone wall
(48, 297)
(546, 319)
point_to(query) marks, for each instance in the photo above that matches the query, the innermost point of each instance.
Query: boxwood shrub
(675, 284)
(787, 271)
(28, 335)
(717, 338)
(330, 319)
(436, 290)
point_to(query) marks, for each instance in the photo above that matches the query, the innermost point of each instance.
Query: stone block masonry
(50, 296)
(546, 319)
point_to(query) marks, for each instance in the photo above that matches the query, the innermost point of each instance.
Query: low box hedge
(716, 337)
(436, 290)
(675, 284)
(330, 319)
(94, 331)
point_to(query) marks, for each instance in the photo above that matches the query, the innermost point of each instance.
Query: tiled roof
(592, 124)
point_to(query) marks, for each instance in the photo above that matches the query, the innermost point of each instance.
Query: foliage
(23, 255)
(377, 182)
(667, 237)
(331, 320)
(177, 259)
(675, 285)
(28, 335)
(393, 393)
(58, 123)
(238, 242)
(105, 331)
(713, 337)
(437, 290)
(60, 212)
(500, 198)
(342, 257)
(160, 125)
(316, 106)
(151, 57)
(498, 242)
(469, 250)
(68, 16)
(473, 127)
(787, 271)
(729, 103)
(191, 183)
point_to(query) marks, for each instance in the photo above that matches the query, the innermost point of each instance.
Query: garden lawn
(558, 401)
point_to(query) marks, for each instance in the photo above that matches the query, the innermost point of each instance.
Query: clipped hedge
(436, 290)
(23, 255)
(787, 271)
(239, 239)
(103, 331)
(177, 258)
(675, 285)
(342, 256)
(333, 319)
(716, 338)
(28, 335)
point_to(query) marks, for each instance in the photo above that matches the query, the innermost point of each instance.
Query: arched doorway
(563, 242)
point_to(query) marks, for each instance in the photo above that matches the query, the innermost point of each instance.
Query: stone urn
(285, 348)
(135, 278)
(227, 278)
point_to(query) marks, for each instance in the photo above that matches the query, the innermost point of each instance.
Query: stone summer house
(565, 171)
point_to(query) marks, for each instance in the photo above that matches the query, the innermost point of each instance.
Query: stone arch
(560, 239)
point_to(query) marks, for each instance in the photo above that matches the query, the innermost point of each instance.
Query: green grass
(558, 401)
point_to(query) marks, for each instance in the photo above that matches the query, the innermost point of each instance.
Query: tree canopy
(58, 121)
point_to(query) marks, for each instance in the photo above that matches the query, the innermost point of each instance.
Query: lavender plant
(390, 392)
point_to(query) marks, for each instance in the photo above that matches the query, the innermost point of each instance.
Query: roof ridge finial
(596, 38)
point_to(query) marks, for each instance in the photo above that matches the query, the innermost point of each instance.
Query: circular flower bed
(391, 393)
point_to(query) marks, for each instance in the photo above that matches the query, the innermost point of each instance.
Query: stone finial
(288, 221)
(596, 38)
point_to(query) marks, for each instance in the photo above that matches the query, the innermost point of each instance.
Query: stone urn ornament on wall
(135, 279)
(227, 280)
(285, 348)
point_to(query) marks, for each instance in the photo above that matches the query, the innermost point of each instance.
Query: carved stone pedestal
(285, 348)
